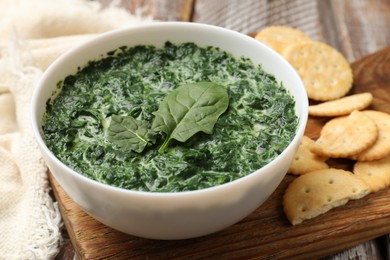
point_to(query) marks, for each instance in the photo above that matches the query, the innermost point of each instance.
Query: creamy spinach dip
(131, 83)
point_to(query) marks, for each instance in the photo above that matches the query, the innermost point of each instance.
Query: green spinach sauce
(258, 124)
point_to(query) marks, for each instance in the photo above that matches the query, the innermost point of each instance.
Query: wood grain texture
(266, 233)
(361, 26)
(162, 10)
(253, 15)
(356, 28)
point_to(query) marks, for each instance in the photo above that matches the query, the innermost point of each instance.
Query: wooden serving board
(265, 233)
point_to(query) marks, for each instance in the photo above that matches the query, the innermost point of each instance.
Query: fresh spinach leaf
(190, 108)
(130, 134)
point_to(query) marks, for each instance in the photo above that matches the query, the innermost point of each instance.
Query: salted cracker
(375, 173)
(317, 192)
(342, 106)
(381, 148)
(306, 161)
(325, 72)
(346, 136)
(281, 37)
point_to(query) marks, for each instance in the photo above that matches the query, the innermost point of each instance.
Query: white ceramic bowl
(171, 215)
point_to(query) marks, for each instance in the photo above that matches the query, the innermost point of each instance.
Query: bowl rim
(36, 125)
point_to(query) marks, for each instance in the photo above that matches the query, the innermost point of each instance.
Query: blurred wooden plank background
(355, 27)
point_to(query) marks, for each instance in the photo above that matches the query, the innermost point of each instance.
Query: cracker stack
(351, 131)
(325, 73)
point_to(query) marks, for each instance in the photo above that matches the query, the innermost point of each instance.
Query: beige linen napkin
(32, 34)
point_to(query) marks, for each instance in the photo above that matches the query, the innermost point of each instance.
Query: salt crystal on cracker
(317, 192)
(325, 72)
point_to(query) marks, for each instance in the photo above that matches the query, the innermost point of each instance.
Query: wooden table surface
(356, 28)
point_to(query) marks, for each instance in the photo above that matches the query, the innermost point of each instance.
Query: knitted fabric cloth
(32, 34)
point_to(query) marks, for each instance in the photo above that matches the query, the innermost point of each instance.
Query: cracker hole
(303, 209)
(307, 190)
(354, 190)
(329, 199)
(314, 84)
(331, 181)
(369, 173)
(332, 82)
